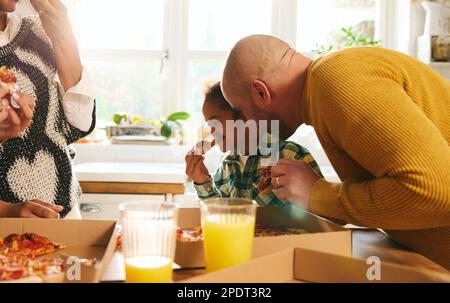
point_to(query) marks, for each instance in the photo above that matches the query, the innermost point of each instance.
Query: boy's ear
(260, 93)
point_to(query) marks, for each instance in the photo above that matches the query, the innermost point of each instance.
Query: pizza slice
(30, 243)
(274, 231)
(22, 268)
(265, 180)
(189, 235)
(9, 78)
(2, 244)
(50, 270)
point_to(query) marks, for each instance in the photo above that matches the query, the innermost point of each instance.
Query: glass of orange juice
(149, 239)
(228, 229)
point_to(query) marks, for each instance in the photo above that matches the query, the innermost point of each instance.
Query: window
(213, 28)
(123, 49)
(218, 24)
(319, 22)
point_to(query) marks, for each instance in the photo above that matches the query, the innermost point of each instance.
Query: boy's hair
(213, 93)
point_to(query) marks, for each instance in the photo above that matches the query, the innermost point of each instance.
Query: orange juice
(148, 269)
(228, 240)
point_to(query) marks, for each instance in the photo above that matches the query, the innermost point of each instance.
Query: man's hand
(293, 181)
(30, 209)
(13, 122)
(195, 167)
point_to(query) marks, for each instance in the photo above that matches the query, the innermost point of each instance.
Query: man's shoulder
(351, 57)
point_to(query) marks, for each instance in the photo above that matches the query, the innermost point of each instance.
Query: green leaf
(166, 129)
(178, 116)
(118, 118)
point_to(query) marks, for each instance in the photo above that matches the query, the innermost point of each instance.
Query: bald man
(383, 119)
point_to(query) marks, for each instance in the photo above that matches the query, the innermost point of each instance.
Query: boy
(240, 176)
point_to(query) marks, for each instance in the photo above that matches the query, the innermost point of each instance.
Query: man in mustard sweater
(383, 119)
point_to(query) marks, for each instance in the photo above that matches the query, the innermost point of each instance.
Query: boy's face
(213, 112)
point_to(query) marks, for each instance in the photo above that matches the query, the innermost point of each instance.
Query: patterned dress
(37, 164)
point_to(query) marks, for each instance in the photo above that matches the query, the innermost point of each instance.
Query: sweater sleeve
(207, 190)
(217, 186)
(369, 116)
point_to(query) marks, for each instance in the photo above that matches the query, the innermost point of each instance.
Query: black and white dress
(37, 164)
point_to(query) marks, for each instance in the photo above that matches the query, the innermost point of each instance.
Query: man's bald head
(264, 78)
(254, 57)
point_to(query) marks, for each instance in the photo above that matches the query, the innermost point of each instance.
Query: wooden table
(366, 243)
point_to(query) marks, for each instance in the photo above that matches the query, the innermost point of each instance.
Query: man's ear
(260, 93)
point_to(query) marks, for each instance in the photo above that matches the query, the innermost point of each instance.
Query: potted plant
(170, 127)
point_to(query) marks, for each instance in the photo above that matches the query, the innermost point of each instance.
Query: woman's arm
(55, 20)
(79, 102)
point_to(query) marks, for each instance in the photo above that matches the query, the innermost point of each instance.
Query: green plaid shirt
(233, 180)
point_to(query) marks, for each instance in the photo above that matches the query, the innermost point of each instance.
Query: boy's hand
(30, 209)
(195, 167)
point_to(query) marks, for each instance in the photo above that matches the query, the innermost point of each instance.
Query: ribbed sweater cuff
(325, 201)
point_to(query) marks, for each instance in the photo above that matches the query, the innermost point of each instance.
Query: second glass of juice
(228, 229)
(149, 239)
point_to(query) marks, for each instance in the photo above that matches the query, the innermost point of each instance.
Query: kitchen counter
(162, 173)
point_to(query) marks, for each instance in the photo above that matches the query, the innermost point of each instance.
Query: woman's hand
(13, 122)
(30, 209)
(55, 20)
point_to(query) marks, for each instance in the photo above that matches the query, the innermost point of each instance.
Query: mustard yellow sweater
(383, 119)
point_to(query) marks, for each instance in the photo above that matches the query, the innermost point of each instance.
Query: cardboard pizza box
(300, 265)
(85, 239)
(322, 235)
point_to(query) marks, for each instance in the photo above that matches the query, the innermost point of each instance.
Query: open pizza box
(85, 239)
(322, 235)
(300, 265)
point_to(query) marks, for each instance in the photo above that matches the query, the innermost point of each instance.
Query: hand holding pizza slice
(8, 81)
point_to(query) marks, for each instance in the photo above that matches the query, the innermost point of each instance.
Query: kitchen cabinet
(107, 184)
(106, 206)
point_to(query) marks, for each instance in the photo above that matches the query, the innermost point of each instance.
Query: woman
(36, 177)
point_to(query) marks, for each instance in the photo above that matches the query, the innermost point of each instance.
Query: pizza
(195, 234)
(202, 147)
(274, 231)
(189, 235)
(9, 78)
(20, 259)
(25, 268)
(119, 238)
(30, 244)
(265, 180)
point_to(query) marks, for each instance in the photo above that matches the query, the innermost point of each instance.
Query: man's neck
(303, 77)
(3, 21)
(297, 85)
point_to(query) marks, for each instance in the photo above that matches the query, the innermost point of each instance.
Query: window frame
(175, 42)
